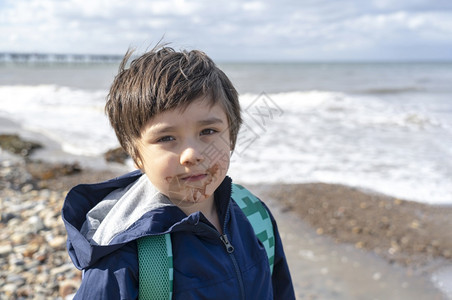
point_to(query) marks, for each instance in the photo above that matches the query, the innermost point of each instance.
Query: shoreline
(405, 234)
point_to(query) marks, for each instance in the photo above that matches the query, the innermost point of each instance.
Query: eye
(208, 131)
(165, 139)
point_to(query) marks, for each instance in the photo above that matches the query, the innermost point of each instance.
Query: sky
(233, 30)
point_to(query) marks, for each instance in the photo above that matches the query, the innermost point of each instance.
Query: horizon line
(45, 57)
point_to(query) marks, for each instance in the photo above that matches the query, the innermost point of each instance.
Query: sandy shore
(403, 232)
(344, 243)
(406, 240)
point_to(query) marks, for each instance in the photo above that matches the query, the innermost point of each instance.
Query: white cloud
(299, 29)
(254, 6)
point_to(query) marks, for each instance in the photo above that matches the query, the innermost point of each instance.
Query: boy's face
(185, 153)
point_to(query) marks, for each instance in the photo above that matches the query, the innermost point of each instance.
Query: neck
(206, 207)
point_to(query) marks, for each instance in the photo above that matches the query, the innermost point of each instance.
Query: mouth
(194, 177)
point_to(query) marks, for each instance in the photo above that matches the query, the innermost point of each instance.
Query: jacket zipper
(230, 250)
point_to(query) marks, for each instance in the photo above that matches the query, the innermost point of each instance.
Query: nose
(191, 155)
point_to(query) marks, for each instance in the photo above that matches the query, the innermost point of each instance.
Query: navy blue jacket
(203, 269)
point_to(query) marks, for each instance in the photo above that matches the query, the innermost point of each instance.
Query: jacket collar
(82, 198)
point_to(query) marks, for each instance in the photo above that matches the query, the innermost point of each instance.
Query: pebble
(36, 224)
(5, 249)
(68, 287)
(34, 263)
(16, 279)
(58, 242)
(9, 289)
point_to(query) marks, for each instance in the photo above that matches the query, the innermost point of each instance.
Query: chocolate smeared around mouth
(193, 191)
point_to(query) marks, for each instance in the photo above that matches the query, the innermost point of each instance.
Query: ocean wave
(362, 111)
(72, 117)
(390, 90)
(301, 136)
(356, 140)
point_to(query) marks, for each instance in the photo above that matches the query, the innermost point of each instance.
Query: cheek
(158, 167)
(219, 167)
(224, 158)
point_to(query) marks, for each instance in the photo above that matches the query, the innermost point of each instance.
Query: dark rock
(13, 143)
(6, 216)
(43, 171)
(118, 155)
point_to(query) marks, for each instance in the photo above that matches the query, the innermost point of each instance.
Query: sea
(382, 126)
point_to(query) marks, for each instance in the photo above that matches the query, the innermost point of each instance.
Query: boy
(178, 116)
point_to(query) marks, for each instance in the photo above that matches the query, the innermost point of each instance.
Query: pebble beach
(33, 258)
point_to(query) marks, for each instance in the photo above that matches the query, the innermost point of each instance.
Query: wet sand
(339, 262)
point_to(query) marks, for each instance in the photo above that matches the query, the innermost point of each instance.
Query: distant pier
(15, 57)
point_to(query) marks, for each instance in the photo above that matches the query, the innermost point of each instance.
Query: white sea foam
(308, 136)
(443, 279)
(73, 117)
(349, 139)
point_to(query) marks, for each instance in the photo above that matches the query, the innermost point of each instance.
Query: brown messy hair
(161, 80)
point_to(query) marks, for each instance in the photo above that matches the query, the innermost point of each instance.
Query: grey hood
(120, 209)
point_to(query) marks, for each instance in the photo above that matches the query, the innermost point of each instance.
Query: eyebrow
(163, 129)
(167, 129)
(210, 121)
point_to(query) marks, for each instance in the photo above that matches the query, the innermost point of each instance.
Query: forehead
(201, 111)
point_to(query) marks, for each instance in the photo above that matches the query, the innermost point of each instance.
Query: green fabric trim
(155, 257)
(259, 218)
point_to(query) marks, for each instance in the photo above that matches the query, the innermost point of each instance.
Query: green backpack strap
(155, 258)
(155, 254)
(259, 218)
